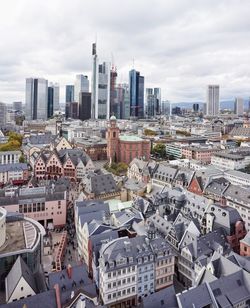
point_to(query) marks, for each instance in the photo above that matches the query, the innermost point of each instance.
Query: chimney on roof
(58, 296)
(69, 271)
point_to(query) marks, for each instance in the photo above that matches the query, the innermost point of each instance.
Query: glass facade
(81, 85)
(104, 91)
(50, 101)
(136, 86)
(36, 99)
(69, 93)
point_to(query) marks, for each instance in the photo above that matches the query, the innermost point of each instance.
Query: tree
(149, 132)
(22, 159)
(160, 150)
(14, 142)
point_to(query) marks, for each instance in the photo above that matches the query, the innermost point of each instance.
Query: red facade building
(124, 148)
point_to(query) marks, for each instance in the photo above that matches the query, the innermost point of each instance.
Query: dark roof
(19, 270)
(100, 183)
(13, 167)
(39, 139)
(163, 299)
(42, 300)
(231, 290)
(75, 155)
(78, 280)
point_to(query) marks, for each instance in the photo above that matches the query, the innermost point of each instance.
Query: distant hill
(223, 104)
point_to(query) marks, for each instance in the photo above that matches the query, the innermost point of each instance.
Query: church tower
(112, 137)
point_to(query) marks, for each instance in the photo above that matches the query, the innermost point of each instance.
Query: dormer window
(111, 264)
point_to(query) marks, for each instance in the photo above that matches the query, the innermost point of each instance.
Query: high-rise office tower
(165, 108)
(94, 83)
(17, 106)
(151, 103)
(195, 107)
(239, 106)
(56, 97)
(157, 93)
(69, 98)
(81, 85)
(69, 95)
(123, 101)
(84, 106)
(36, 99)
(50, 101)
(213, 100)
(3, 113)
(73, 110)
(100, 100)
(113, 93)
(102, 109)
(136, 88)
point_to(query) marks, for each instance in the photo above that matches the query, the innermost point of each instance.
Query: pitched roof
(79, 280)
(162, 299)
(19, 270)
(100, 183)
(41, 300)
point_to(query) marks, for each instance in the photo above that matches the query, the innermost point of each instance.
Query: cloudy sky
(178, 45)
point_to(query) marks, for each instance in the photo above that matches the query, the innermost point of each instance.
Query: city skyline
(181, 46)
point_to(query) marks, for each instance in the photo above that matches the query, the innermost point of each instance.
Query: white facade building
(234, 161)
(81, 85)
(213, 100)
(36, 99)
(239, 106)
(3, 113)
(10, 157)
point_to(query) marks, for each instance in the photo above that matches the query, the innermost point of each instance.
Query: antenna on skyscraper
(133, 63)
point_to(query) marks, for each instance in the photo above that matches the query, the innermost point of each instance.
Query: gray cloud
(179, 45)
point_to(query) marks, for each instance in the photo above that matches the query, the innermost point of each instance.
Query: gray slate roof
(99, 183)
(19, 270)
(162, 299)
(13, 167)
(42, 300)
(78, 280)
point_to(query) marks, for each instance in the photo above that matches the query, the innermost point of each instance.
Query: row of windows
(145, 269)
(145, 287)
(28, 208)
(123, 293)
(146, 278)
(163, 262)
(164, 271)
(122, 282)
(164, 280)
(120, 272)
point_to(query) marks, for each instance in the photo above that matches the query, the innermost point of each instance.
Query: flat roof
(15, 239)
(130, 138)
(20, 234)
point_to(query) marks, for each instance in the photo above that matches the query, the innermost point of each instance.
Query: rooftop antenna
(133, 63)
(112, 61)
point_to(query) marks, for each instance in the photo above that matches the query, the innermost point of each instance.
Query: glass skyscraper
(36, 98)
(81, 85)
(69, 93)
(50, 101)
(151, 103)
(103, 108)
(136, 87)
